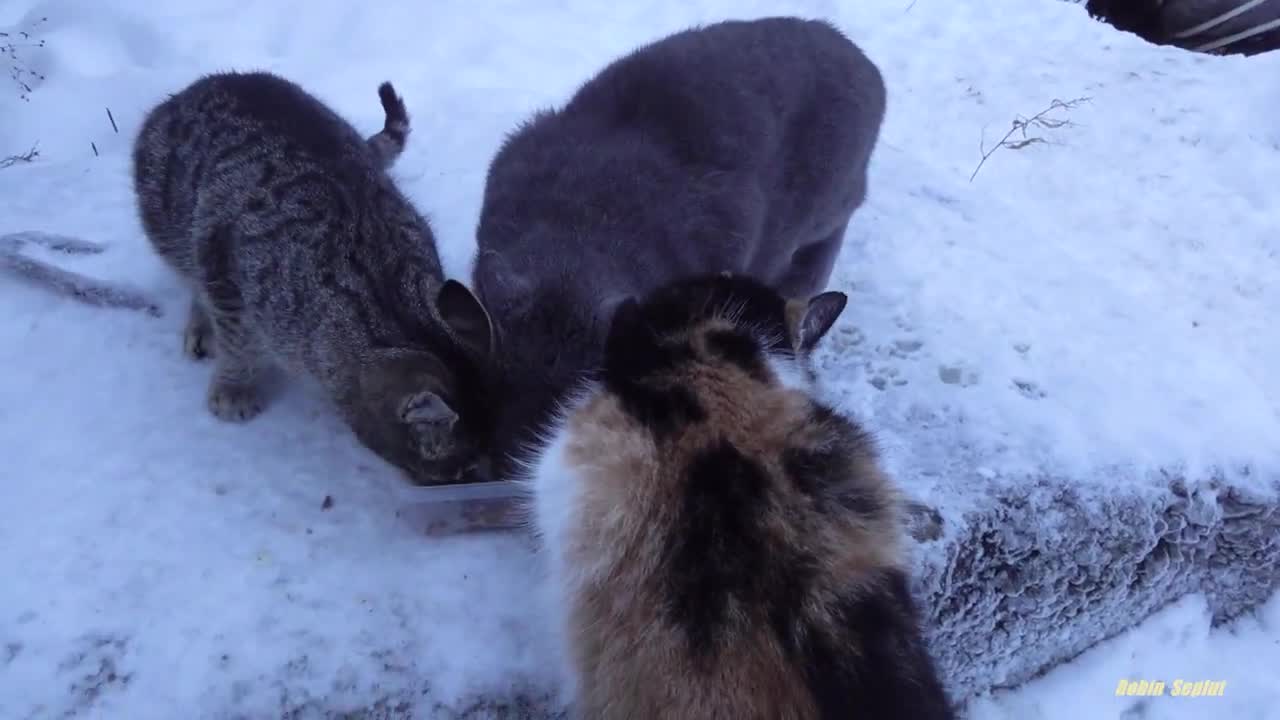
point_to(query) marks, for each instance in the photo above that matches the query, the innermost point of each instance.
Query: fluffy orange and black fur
(723, 544)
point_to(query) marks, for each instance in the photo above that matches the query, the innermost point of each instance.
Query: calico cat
(722, 544)
(302, 254)
(738, 146)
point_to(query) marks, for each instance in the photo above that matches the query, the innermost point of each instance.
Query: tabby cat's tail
(64, 282)
(389, 143)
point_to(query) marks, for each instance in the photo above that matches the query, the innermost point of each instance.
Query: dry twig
(28, 156)
(1021, 125)
(22, 75)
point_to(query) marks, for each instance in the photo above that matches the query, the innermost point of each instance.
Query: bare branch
(1020, 126)
(27, 157)
(21, 75)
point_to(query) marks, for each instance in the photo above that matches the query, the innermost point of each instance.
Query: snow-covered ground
(1175, 646)
(1104, 299)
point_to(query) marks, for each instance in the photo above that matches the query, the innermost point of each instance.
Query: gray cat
(739, 146)
(302, 254)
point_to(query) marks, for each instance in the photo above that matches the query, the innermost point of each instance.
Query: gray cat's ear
(495, 278)
(426, 408)
(810, 321)
(466, 317)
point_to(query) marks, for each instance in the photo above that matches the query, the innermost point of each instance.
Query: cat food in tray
(439, 510)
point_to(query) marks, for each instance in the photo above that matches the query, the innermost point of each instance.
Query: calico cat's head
(723, 318)
(425, 409)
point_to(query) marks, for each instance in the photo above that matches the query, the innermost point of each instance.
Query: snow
(1037, 349)
(1176, 644)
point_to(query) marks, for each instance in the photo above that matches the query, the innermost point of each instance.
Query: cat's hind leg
(236, 392)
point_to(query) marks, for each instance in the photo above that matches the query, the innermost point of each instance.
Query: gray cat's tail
(389, 143)
(63, 282)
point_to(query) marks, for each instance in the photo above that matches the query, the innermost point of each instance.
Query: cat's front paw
(235, 403)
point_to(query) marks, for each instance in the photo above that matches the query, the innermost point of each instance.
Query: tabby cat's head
(425, 409)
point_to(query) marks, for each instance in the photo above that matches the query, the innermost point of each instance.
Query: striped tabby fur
(302, 254)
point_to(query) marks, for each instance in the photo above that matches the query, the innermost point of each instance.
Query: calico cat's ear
(607, 310)
(629, 333)
(809, 322)
(466, 317)
(624, 316)
(426, 408)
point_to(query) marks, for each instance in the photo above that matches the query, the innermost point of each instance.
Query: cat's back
(751, 54)
(228, 137)
(722, 96)
(688, 151)
(256, 152)
(264, 107)
(728, 94)
(728, 545)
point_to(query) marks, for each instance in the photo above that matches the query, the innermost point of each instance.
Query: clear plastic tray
(488, 506)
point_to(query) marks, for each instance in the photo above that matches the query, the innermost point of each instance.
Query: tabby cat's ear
(810, 321)
(426, 408)
(430, 421)
(466, 317)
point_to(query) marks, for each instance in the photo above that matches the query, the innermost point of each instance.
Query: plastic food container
(489, 506)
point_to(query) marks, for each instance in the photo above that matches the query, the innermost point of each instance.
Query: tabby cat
(302, 254)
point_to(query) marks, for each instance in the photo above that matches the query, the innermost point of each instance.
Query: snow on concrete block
(1047, 567)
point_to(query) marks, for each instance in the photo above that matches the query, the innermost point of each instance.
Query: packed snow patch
(1069, 359)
